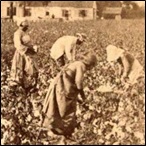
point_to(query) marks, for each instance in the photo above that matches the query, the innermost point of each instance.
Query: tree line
(130, 9)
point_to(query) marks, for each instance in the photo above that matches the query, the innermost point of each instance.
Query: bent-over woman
(59, 106)
(129, 66)
(66, 46)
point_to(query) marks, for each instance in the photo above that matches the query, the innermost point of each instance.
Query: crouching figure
(59, 106)
(129, 66)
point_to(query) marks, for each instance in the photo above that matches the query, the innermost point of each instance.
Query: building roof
(76, 4)
(113, 10)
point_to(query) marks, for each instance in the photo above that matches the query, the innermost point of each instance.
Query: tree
(132, 10)
(101, 5)
(135, 6)
(127, 4)
(131, 4)
(114, 4)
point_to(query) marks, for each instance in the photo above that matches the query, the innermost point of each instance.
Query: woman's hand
(82, 94)
(32, 50)
(82, 97)
(83, 104)
(35, 48)
(124, 78)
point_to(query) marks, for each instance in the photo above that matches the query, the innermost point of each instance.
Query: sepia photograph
(73, 73)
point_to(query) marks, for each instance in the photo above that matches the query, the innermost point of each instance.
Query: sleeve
(18, 45)
(74, 53)
(79, 77)
(68, 51)
(119, 69)
(126, 66)
(119, 63)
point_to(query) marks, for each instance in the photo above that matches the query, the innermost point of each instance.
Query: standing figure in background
(59, 106)
(66, 45)
(24, 72)
(129, 66)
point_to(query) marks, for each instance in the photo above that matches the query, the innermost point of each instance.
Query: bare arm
(126, 66)
(74, 52)
(68, 51)
(119, 69)
(79, 80)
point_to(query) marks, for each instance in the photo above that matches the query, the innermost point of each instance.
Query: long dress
(24, 72)
(59, 105)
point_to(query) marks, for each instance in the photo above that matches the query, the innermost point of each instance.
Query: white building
(73, 10)
(18, 11)
(5, 9)
(69, 10)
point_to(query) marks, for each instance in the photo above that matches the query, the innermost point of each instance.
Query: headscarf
(82, 36)
(22, 22)
(113, 53)
(90, 59)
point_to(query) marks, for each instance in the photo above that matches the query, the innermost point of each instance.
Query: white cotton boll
(86, 89)
(95, 130)
(116, 143)
(36, 113)
(101, 140)
(5, 122)
(35, 47)
(45, 143)
(29, 118)
(128, 128)
(99, 132)
(91, 108)
(139, 135)
(82, 124)
(26, 39)
(5, 136)
(116, 117)
(78, 112)
(51, 134)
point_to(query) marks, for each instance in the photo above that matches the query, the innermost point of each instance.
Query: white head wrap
(22, 21)
(90, 59)
(113, 53)
(82, 36)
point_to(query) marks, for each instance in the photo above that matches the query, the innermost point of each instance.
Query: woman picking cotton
(23, 71)
(59, 106)
(129, 67)
(66, 46)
